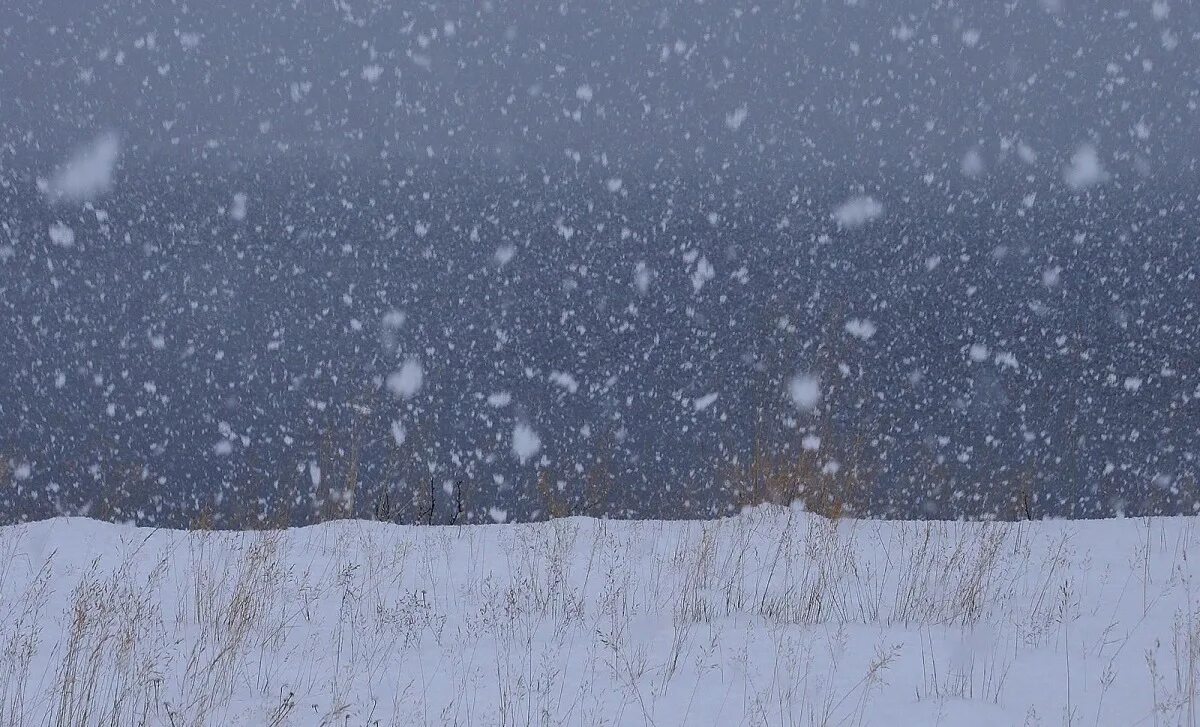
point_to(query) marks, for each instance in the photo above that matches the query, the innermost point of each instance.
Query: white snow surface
(774, 616)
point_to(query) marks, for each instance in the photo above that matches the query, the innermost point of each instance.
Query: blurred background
(268, 263)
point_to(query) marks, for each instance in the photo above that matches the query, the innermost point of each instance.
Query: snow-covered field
(772, 617)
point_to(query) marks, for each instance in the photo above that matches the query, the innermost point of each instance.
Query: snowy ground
(773, 617)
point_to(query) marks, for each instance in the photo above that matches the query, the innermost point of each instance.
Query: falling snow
(406, 382)
(530, 252)
(805, 391)
(88, 173)
(857, 211)
(525, 442)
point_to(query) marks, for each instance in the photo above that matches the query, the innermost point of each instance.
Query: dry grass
(772, 617)
(832, 482)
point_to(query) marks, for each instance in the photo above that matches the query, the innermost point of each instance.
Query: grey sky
(909, 85)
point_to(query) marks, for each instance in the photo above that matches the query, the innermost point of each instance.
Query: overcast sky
(910, 84)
